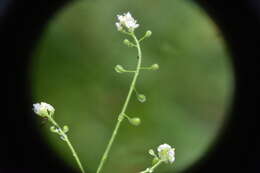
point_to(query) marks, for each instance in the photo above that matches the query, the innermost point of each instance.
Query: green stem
(121, 115)
(130, 71)
(66, 139)
(136, 92)
(145, 68)
(142, 38)
(127, 117)
(152, 168)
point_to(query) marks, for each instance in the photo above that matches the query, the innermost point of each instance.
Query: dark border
(22, 24)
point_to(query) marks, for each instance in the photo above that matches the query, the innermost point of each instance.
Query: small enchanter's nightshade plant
(127, 25)
(46, 111)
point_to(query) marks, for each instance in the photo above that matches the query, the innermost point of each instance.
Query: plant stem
(121, 115)
(66, 139)
(145, 68)
(152, 168)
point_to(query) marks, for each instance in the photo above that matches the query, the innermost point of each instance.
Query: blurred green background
(187, 99)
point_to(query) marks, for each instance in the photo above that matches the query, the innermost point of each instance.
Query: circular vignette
(75, 33)
(30, 19)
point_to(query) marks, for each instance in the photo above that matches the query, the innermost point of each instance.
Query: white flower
(126, 20)
(119, 27)
(43, 109)
(166, 153)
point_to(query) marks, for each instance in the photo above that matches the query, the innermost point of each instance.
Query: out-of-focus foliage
(187, 99)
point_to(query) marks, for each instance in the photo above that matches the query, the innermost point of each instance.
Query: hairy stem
(66, 139)
(121, 115)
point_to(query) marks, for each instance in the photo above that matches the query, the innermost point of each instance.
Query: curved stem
(66, 139)
(121, 115)
(148, 170)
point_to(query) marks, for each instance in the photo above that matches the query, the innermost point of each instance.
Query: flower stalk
(149, 170)
(64, 137)
(46, 111)
(121, 116)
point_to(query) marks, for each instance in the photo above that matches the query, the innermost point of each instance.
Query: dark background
(21, 25)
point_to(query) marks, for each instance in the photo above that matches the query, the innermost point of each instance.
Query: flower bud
(65, 129)
(141, 98)
(155, 160)
(148, 33)
(155, 67)
(135, 121)
(151, 152)
(119, 69)
(54, 129)
(128, 43)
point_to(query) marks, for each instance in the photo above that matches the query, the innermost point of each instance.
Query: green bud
(151, 152)
(54, 129)
(141, 98)
(155, 160)
(148, 33)
(126, 42)
(135, 121)
(155, 67)
(119, 69)
(65, 129)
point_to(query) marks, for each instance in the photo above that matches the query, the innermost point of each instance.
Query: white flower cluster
(166, 153)
(43, 109)
(126, 21)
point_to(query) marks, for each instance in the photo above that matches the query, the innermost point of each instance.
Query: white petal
(119, 17)
(171, 159)
(128, 15)
(36, 107)
(163, 147)
(119, 27)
